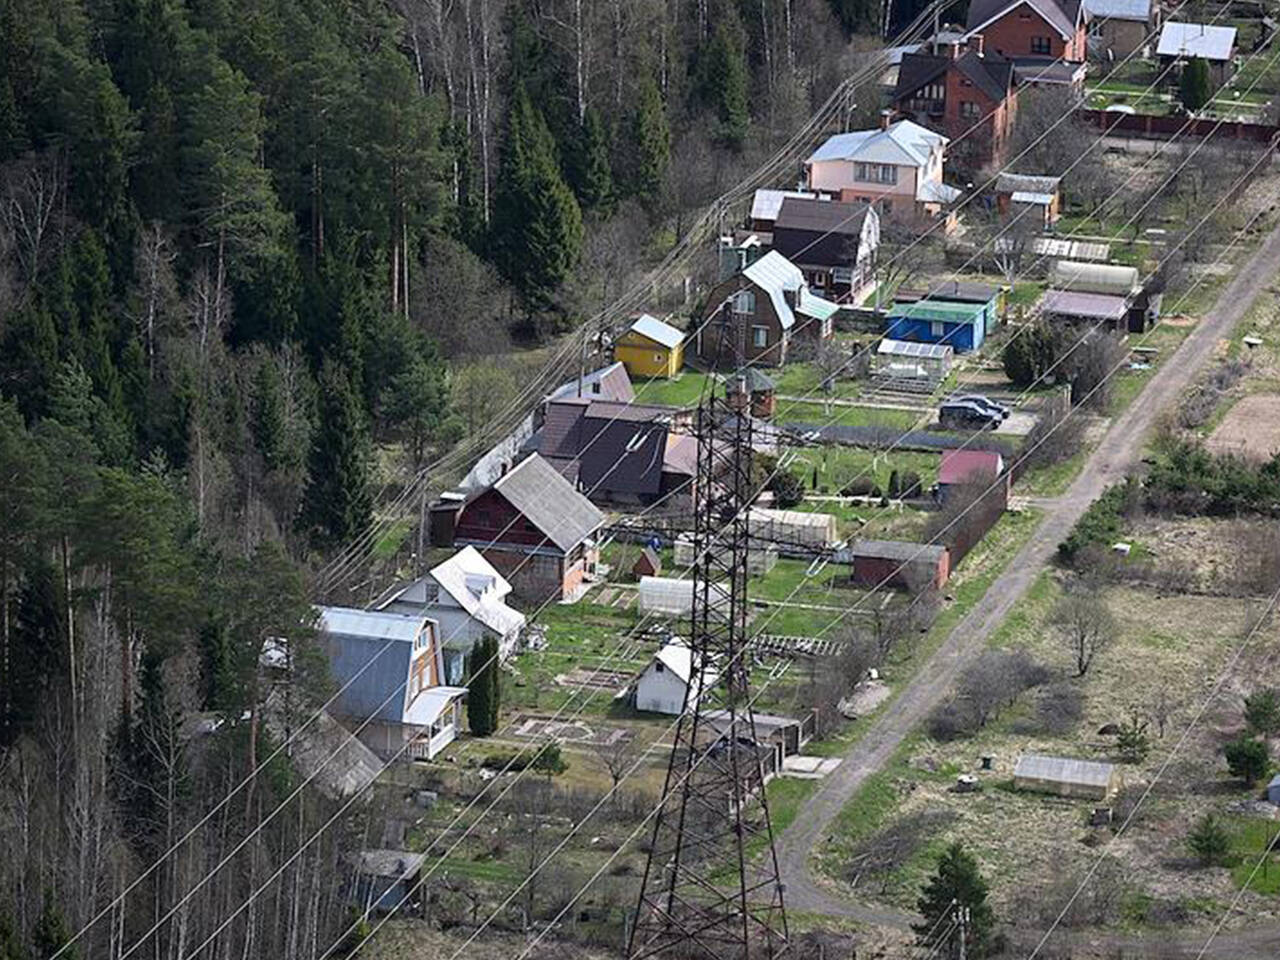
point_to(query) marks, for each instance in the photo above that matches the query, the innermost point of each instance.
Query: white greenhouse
(760, 560)
(792, 527)
(667, 596)
(1107, 278)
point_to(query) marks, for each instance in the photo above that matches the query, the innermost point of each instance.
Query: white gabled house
(466, 597)
(670, 676)
(389, 668)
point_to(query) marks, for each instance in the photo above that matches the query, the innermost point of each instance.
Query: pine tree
(10, 943)
(266, 413)
(724, 84)
(337, 504)
(51, 932)
(1194, 87)
(483, 689)
(537, 225)
(650, 141)
(595, 175)
(1208, 840)
(1247, 759)
(957, 885)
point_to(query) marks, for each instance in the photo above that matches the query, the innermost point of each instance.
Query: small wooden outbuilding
(648, 564)
(1066, 777)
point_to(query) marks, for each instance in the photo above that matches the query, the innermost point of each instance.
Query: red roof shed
(969, 466)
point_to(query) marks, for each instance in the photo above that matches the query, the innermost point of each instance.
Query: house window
(862, 172)
(595, 386)
(933, 91)
(887, 173)
(936, 329)
(1040, 45)
(659, 668)
(744, 301)
(657, 358)
(969, 110)
(760, 336)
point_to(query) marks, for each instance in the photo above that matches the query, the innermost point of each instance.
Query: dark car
(997, 409)
(963, 415)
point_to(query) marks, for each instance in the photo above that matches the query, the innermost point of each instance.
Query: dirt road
(1118, 451)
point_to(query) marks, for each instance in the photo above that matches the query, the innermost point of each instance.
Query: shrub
(949, 721)
(549, 760)
(1262, 712)
(787, 487)
(1208, 840)
(1132, 742)
(1101, 523)
(1247, 759)
(861, 487)
(1059, 708)
(910, 484)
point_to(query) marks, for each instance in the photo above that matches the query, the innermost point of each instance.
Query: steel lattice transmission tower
(702, 897)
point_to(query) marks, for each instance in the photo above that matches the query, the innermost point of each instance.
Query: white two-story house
(897, 168)
(467, 598)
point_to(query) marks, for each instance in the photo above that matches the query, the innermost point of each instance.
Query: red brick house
(535, 528)
(956, 88)
(1053, 29)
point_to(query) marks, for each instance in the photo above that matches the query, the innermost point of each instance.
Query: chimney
(976, 45)
(953, 50)
(886, 118)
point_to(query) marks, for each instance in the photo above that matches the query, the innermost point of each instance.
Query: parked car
(965, 415)
(998, 409)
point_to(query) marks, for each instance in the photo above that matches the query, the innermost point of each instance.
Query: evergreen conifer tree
(595, 176)
(10, 942)
(51, 932)
(337, 504)
(483, 689)
(1194, 88)
(725, 83)
(537, 225)
(957, 885)
(650, 141)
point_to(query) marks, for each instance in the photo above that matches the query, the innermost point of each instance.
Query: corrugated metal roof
(1088, 773)
(479, 589)
(967, 466)
(935, 191)
(947, 310)
(1196, 40)
(430, 703)
(909, 348)
(812, 305)
(657, 331)
(1011, 182)
(899, 550)
(550, 502)
(766, 204)
(905, 142)
(1037, 199)
(1139, 10)
(776, 276)
(1094, 306)
(375, 624)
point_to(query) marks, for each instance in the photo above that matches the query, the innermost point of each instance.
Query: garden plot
(594, 678)
(1034, 848)
(1251, 428)
(576, 731)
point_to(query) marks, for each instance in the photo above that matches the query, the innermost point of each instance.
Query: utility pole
(962, 915)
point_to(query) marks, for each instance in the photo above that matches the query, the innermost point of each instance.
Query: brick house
(1014, 29)
(752, 316)
(535, 528)
(955, 88)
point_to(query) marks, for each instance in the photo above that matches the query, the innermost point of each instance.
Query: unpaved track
(1119, 450)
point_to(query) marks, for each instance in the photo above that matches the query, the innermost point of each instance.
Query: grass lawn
(1053, 480)
(803, 379)
(851, 416)
(684, 391)
(838, 466)
(386, 545)
(1249, 838)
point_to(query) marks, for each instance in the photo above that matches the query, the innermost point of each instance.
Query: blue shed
(990, 296)
(961, 326)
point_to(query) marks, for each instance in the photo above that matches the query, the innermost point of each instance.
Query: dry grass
(1038, 846)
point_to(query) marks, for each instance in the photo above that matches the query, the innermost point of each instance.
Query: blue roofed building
(961, 326)
(390, 671)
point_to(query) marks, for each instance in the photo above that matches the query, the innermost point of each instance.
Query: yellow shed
(650, 348)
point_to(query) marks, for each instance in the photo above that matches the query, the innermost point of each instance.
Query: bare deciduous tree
(617, 756)
(1085, 625)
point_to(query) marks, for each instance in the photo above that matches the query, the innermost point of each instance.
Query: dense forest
(257, 256)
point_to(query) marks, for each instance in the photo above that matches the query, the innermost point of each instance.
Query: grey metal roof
(1196, 40)
(1013, 182)
(1042, 70)
(1087, 773)
(775, 275)
(1139, 10)
(899, 550)
(904, 142)
(550, 502)
(1093, 306)
(374, 624)
(607, 383)
(657, 331)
